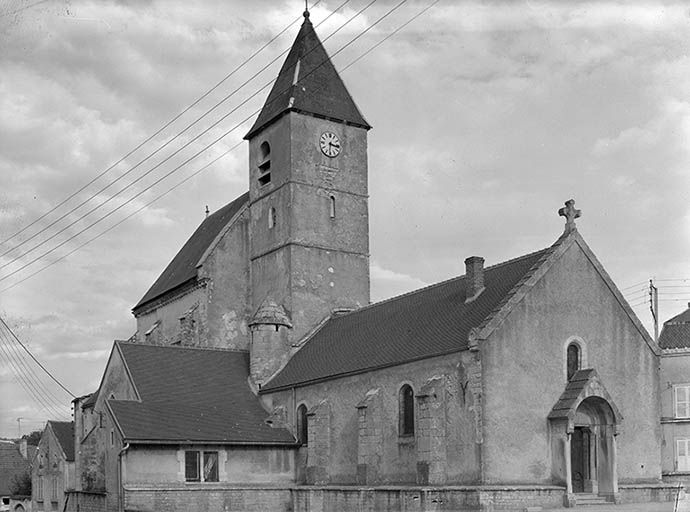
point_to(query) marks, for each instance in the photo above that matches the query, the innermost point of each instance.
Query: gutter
(120, 487)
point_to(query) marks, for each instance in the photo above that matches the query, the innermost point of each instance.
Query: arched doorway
(593, 449)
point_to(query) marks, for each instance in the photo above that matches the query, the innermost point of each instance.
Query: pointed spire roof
(309, 83)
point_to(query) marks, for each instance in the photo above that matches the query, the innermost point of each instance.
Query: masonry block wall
(397, 458)
(370, 438)
(214, 311)
(319, 421)
(571, 300)
(431, 432)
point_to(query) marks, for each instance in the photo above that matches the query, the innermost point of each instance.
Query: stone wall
(524, 375)
(216, 498)
(351, 431)
(82, 501)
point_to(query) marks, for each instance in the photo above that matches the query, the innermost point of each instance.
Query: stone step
(590, 499)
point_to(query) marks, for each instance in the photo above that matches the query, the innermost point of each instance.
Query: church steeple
(309, 83)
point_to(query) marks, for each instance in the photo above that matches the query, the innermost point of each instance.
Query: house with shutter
(261, 376)
(674, 342)
(52, 471)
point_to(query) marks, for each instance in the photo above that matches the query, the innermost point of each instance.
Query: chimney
(22, 448)
(474, 277)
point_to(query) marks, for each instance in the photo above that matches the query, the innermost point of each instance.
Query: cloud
(387, 283)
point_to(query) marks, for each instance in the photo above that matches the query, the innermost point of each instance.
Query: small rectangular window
(210, 466)
(682, 401)
(39, 489)
(195, 472)
(191, 467)
(55, 488)
(112, 438)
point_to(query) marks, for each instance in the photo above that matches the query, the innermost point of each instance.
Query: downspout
(120, 487)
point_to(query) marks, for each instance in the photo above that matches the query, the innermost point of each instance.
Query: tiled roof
(577, 390)
(64, 431)
(91, 400)
(676, 331)
(192, 394)
(183, 266)
(425, 323)
(309, 83)
(11, 464)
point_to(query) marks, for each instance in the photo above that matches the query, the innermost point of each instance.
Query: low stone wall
(646, 493)
(208, 497)
(423, 499)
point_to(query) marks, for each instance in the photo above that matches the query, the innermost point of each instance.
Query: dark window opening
(191, 467)
(302, 426)
(332, 206)
(406, 411)
(573, 357)
(265, 164)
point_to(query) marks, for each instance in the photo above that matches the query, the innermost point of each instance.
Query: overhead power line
(194, 156)
(161, 129)
(184, 146)
(36, 360)
(214, 160)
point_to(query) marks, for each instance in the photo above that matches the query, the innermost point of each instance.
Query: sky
(487, 117)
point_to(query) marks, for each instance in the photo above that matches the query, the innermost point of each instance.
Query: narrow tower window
(271, 217)
(573, 359)
(264, 163)
(331, 204)
(302, 430)
(406, 414)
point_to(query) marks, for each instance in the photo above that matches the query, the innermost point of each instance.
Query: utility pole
(654, 308)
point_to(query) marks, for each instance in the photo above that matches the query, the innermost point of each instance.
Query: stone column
(614, 466)
(591, 484)
(569, 496)
(431, 432)
(369, 438)
(319, 448)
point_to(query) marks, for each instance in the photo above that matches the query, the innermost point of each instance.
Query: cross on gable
(570, 213)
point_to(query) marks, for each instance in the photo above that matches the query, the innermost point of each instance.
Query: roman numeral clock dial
(329, 144)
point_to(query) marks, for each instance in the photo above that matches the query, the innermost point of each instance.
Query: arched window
(573, 359)
(264, 163)
(272, 217)
(331, 204)
(406, 404)
(302, 430)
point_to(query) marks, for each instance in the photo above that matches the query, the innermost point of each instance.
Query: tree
(33, 438)
(21, 484)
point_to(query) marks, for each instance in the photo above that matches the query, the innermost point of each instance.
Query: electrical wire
(102, 233)
(150, 155)
(166, 125)
(390, 11)
(187, 144)
(36, 360)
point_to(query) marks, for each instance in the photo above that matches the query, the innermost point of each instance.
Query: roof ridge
(440, 283)
(182, 347)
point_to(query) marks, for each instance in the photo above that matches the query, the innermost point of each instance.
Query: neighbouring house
(15, 467)
(53, 473)
(261, 377)
(674, 342)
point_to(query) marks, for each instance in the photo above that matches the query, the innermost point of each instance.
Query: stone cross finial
(570, 214)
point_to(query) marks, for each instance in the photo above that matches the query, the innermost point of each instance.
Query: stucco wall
(398, 455)
(524, 375)
(675, 370)
(237, 465)
(168, 314)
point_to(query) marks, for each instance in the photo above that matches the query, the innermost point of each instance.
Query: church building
(262, 378)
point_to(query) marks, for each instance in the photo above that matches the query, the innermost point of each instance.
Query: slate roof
(308, 82)
(676, 331)
(192, 395)
(64, 431)
(428, 322)
(572, 392)
(182, 268)
(11, 464)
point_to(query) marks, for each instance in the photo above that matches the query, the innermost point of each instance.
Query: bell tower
(308, 196)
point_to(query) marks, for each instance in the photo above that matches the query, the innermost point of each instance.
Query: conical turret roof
(309, 83)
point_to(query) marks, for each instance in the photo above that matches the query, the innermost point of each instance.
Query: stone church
(262, 378)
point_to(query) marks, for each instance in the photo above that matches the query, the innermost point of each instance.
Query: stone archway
(584, 424)
(592, 448)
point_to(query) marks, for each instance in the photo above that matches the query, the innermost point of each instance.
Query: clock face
(330, 144)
